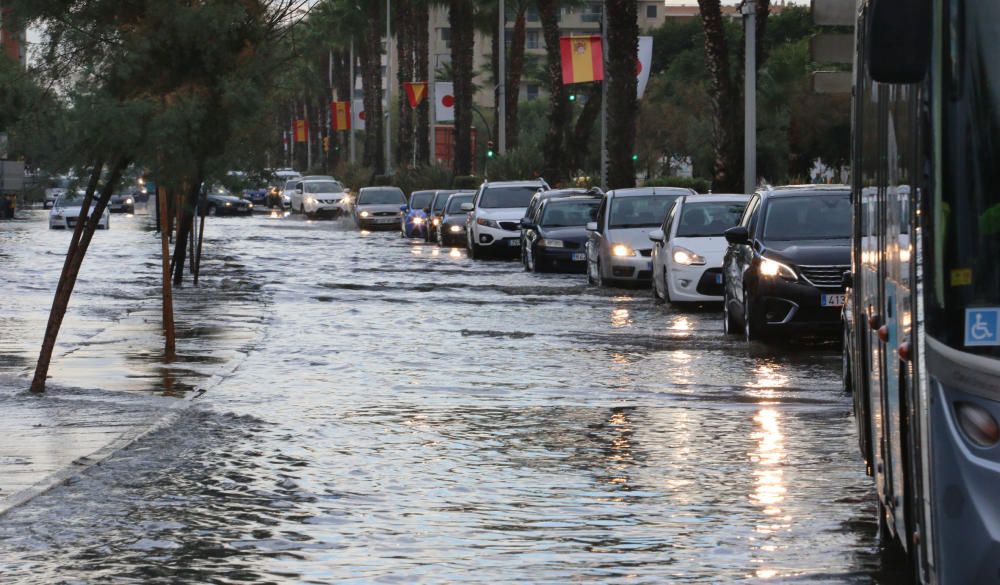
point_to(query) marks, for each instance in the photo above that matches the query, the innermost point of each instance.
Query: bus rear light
(978, 424)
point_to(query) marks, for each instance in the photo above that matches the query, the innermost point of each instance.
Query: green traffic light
(572, 97)
(489, 154)
(635, 157)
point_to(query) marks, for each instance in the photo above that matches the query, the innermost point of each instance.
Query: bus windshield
(964, 295)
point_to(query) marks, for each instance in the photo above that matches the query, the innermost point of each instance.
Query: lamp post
(750, 91)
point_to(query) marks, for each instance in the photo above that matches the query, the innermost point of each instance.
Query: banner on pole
(444, 96)
(643, 64)
(301, 131)
(340, 115)
(582, 59)
(358, 115)
(416, 91)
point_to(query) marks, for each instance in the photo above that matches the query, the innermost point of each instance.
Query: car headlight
(769, 267)
(128, 201)
(687, 257)
(250, 205)
(490, 223)
(418, 220)
(310, 200)
(622, 250)
(553, 243)
(228, 204)
(364, 214)
(437, 221)
(455, 229)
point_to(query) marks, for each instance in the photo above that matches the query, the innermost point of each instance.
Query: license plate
(832, 300)
(718, 279)
(387, 220)
(579, 257)
(514, 243)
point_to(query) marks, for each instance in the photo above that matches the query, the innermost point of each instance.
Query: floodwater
(389, 411)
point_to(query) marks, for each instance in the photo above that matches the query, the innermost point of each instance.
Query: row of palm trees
(341, 23)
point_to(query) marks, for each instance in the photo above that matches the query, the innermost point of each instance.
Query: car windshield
(71, 199)
(289, 185)
(421, 199)
(455, 204)
(381, 197)
(507, 197)
(323, 187)
(569, 213)
(639, 212)
(440, 200)
(810, 217)
(708, 219)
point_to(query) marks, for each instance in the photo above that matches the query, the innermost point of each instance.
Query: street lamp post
(388, 88)
(502, 81)
(750, 91)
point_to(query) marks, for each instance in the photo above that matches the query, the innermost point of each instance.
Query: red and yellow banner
(582, 59)
(300, 130)
(341, 115)
(416, 91)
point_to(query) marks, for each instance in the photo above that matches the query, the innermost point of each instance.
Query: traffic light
(326, 144)
(635, 157)
(572, 97)
(489, 149)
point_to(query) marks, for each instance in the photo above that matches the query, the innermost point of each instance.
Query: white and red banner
(444, 101)
(358, 115)
(643, 64)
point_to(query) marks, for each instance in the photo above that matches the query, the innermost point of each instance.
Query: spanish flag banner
(300, 131)
(582, 59)
(416, 91)
(340, 115)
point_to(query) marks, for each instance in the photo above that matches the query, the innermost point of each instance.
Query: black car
(221, 202)
(784, 267)
(435, 212)
(554, 234)
(451, 232)
(122, 202)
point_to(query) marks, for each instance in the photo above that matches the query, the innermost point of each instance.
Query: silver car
(379, 207)
(618, 248)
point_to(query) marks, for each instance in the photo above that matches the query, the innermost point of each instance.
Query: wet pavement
(370, 409)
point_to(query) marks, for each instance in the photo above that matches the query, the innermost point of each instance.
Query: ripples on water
(406, 415)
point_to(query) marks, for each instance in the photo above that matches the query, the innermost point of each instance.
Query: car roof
(529, 183)
(580, 197)
(720, 197)
(381, 188)
(794, 190)
(646, 191)
(422, 191)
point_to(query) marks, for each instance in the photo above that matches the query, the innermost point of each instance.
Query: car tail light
(978, 424)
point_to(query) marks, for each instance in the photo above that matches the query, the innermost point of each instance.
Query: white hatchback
(689, 247)
(66, 212)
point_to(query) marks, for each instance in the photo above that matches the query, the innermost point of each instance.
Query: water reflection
(620, 318)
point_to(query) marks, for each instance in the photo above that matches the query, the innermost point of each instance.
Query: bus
(922, 320)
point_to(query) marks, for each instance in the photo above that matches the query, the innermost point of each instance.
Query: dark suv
(786, 260)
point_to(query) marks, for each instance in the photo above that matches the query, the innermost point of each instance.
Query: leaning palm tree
(623, 44)
(552, 147)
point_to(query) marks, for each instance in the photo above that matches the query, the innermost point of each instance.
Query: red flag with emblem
(416, 91)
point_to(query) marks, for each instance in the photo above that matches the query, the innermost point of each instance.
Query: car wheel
(845, 364)
(728, 320)
(530, 265)
(212, 211)
(440, 238)
(598, 276)
(751, 329)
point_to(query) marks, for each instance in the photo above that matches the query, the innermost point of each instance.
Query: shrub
(466, 182)
(353, 176)
(698, 184)
(518, 164)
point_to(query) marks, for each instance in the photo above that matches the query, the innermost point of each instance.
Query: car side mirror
(656, 236)
(898, 38)
(847, 280)
(298, 190)
(403, 207)
(591, 226)
(467, 207)
(737, 235)
(526, 223)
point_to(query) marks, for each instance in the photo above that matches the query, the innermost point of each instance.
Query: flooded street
(381, 410)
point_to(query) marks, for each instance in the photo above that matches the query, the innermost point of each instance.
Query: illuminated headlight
(310, 200)
(553, 243)
(346, 200)
(437, 221)
(455, 229)
(364, 214)
(418, 220)
(250, 205)
(490, 223)
(622, 250)
(771, 268)
(228, 204)
(128, 201)
(687, 257)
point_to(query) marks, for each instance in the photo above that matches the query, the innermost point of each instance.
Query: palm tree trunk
(403, 15)
(421, 50)
(725, 101)
(371, 82)
(514, 73)
(462, 45)
(83, 233)
(584, 127)
(552, 147)
(623, 45)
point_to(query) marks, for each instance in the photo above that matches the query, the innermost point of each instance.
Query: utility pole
(502, 82)
(604, 97)
(350, 133)
(750, 91)
(388, 88)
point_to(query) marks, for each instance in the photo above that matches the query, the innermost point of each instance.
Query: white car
(494, 223)
(66, 212)
(689, 247)
(59, 187)
(315, 197)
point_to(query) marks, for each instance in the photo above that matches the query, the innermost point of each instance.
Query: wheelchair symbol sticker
(982, 327)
